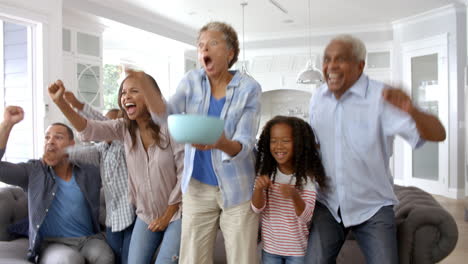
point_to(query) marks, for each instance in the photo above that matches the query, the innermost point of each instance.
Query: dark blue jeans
(376, 237)
(119, 242)
(268, 258)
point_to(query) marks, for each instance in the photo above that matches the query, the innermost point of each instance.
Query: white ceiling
(265, 25)
(264, 21)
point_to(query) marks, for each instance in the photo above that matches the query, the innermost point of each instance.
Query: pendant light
(310, 75)
(243, 66)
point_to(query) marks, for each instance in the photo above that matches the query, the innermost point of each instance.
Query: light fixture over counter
(310, 75)
(244, 66)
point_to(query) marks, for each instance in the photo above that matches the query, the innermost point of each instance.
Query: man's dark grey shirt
(38, 180)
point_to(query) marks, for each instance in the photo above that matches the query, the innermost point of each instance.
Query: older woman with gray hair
(218, 179)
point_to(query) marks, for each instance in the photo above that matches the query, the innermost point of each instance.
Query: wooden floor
(457, 209)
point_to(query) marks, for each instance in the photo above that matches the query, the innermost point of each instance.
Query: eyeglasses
(210, 43)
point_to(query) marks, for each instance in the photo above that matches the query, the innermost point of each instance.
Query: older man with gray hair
(355, 120)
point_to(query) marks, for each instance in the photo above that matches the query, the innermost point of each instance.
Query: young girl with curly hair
(288, 166)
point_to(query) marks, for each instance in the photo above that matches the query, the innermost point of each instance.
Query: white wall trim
(450, 9)
(303, 50)
(135, 17)
(37, 61)
(400, 182)
(455, 193)
(22, 15)
(325, 31)
(463, 2)
(125, 13)
(83, 23)
(436, 40)
(435, 44)
(2, 65)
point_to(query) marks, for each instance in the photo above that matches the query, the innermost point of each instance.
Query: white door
(425, 76)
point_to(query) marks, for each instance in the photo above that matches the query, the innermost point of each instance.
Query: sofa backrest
(13, 207)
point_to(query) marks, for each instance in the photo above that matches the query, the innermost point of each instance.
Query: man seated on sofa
(63, 199)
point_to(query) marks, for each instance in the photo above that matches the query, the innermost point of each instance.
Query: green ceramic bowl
(195, 129)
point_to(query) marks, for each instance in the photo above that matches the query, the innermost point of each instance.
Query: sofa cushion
(14, 206)
(14, 252)
(422, 221)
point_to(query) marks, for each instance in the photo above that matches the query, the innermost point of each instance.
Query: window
(16, 86)
(89, 77)
(82, 66)
(111, 85)
(22, 39)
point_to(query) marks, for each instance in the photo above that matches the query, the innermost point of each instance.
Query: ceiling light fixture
(280, 7)
(244, 66)
(310, 75)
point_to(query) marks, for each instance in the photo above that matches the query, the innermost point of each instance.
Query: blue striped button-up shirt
(241, 113)
(356, 136)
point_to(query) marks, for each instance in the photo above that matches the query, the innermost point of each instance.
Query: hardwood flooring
(457, 209)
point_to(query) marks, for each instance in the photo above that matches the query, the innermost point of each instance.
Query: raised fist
(398, 98)
(13, 114)
(56, 91)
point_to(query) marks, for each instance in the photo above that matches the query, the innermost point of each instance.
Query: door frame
(434, 45)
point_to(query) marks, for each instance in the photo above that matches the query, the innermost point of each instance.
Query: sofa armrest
(13, 207)
(427, 233)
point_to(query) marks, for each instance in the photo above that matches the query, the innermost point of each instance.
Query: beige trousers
(203, 214)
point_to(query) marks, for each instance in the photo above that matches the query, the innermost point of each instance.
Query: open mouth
(208, 62)
(51, 149)
(131, 108)
(280, 155)
(333, 77)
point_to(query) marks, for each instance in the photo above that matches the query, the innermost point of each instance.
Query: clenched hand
(13, 114)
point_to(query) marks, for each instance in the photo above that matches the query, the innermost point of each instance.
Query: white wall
(276, 63)
(284, 102)
(451, 20)
(159, 56)
(371, 33)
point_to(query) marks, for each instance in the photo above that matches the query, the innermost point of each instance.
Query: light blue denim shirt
(356, 136)
(241, 114)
